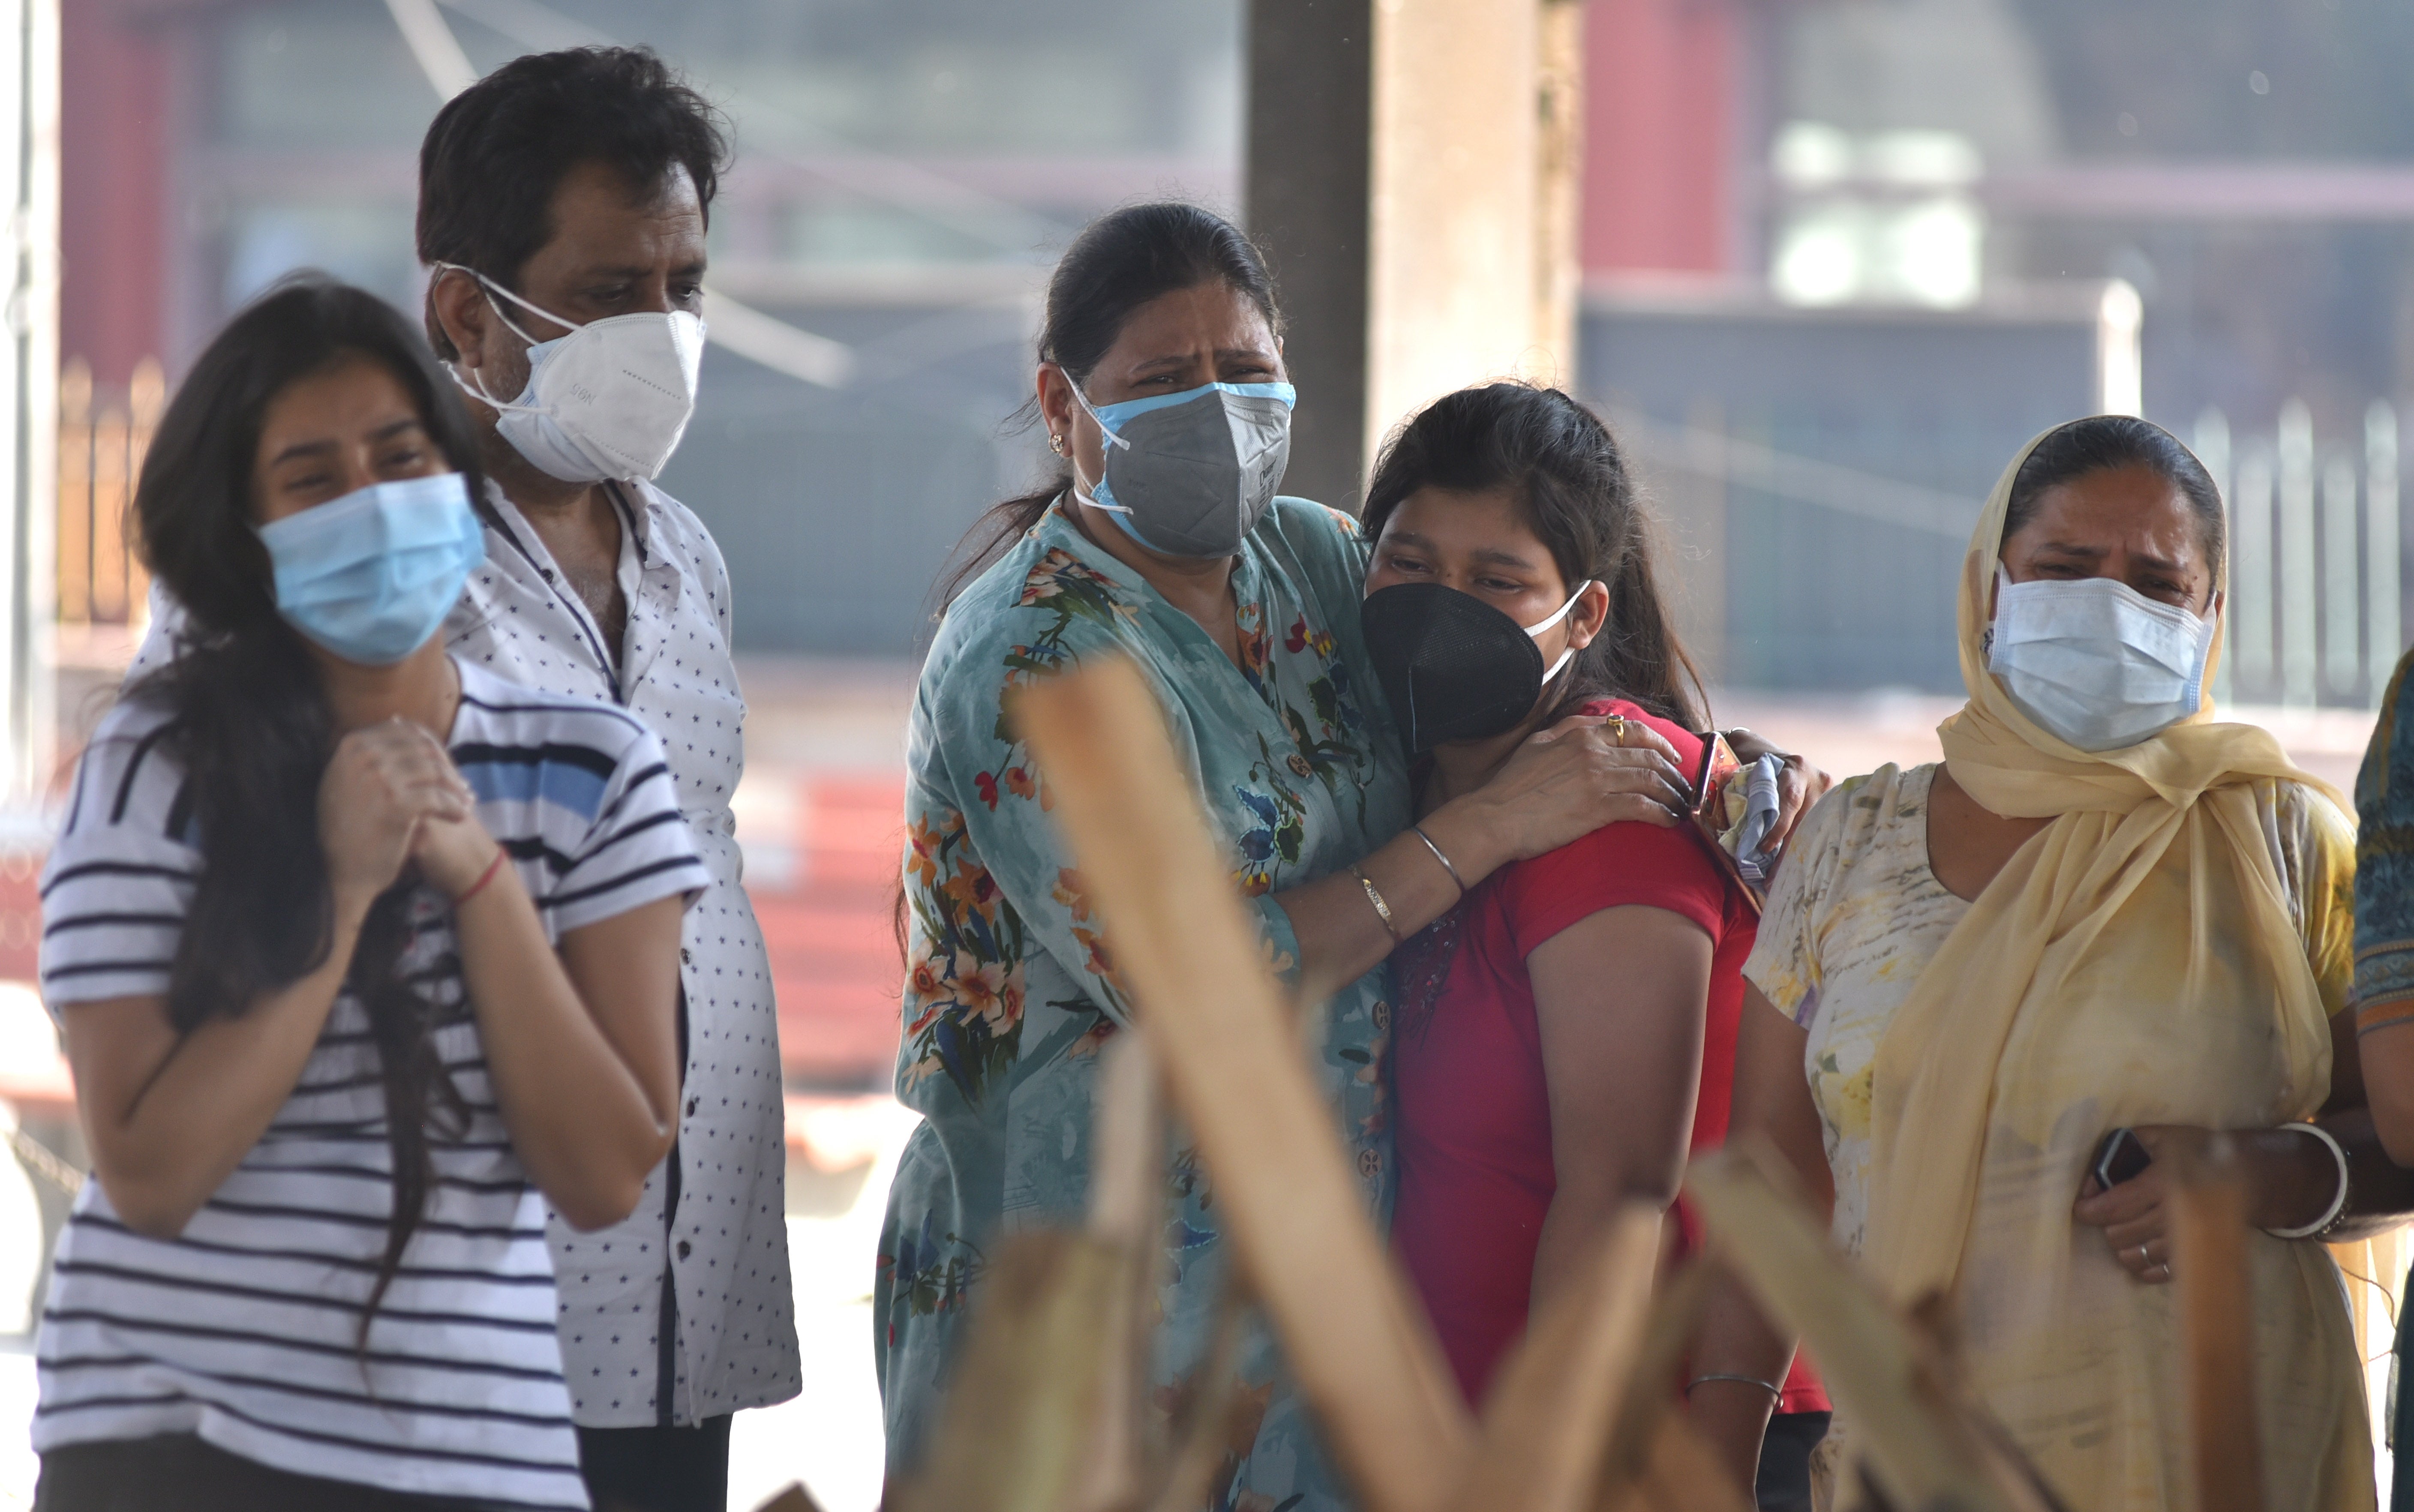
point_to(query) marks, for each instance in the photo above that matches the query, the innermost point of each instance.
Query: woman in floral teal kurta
(1010, 992)
(1241, 609)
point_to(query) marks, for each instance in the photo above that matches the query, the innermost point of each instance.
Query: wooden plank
(1547, 1420)
(1190, 956)
(1202, 1444)
(1127, 1188)
(1675, 1319)
(1019, 1416)
(1919, 1452)
(2216, 1329)
(1679, 1474)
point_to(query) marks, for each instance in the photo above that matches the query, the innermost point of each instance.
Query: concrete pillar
(1473, 265)
(1304, 200)
(1413, 173)
(29, 397)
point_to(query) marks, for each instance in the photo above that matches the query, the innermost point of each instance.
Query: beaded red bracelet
(484, 878)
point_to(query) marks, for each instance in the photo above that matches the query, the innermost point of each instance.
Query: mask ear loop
(476, 383)
(1570, 654)
(1083, 490)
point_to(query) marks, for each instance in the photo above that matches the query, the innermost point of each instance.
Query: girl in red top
(1565, 1034)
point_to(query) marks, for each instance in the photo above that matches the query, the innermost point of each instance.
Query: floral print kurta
(1011, 990)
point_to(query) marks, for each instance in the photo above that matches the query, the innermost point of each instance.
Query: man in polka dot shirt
(581, 182)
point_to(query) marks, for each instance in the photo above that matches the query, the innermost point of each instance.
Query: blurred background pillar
(1472, 272)
(1306, 184)
(29, 190)
(1413, 170)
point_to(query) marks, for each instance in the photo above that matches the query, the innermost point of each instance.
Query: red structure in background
(118, 79)
(832, 935)
(1661, 122)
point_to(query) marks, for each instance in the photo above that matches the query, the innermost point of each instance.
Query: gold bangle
(1382, 910)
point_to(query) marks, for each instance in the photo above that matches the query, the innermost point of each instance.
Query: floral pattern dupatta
(1010, 989)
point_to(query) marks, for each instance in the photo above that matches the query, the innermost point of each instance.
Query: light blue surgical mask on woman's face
(1191, 474)
(2094, 661)
(370, 576)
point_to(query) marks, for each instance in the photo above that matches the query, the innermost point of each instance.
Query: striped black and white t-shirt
(245, 1328)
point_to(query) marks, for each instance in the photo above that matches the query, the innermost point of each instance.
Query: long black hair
(1121, 261)
(249, 720)
(2101, 443)
(1569, 478)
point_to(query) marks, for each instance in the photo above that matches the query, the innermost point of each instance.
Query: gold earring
(1056, 444)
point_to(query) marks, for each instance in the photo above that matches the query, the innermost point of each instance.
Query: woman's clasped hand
(392, 798)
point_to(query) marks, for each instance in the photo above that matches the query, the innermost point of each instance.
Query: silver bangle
(1747, 1380)
(2337, 1209)
(1419, 831)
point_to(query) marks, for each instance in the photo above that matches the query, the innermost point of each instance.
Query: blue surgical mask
(2095, 662)
(1190, 474)
(370, 576)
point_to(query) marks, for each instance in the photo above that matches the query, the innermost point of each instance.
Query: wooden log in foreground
(1018, 1429)
(1546, 1421)
(2217, 1332)
(1188, 953)
(1919, 1449)
(1127, 1211)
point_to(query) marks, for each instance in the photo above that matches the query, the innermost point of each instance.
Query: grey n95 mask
(1191, 474)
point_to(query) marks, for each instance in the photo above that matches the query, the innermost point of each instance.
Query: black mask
(1453, 667)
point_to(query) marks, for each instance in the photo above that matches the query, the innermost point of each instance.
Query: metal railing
(102, 438)
(2315, 595)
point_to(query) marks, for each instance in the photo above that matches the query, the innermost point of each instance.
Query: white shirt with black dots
(728, 1243)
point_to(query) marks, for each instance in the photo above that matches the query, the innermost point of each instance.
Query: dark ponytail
(1121, 261)
(1571, 479)
(249, 722)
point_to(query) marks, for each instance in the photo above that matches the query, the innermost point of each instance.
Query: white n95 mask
(609, 400)
(2094, 661)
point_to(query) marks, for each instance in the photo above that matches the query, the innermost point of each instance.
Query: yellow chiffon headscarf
(2134, 963)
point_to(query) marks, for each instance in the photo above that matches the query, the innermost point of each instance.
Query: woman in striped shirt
(361, 957)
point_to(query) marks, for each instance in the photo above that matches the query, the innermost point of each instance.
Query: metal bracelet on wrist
(2334, 1217)
(1746, 1380)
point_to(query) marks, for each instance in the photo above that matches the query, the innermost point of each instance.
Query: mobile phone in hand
(2119, 1158)
(1718, 764)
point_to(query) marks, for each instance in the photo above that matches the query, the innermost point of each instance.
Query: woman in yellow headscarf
(2101, 911)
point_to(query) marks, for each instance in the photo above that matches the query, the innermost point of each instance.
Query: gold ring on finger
(1617, 730)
